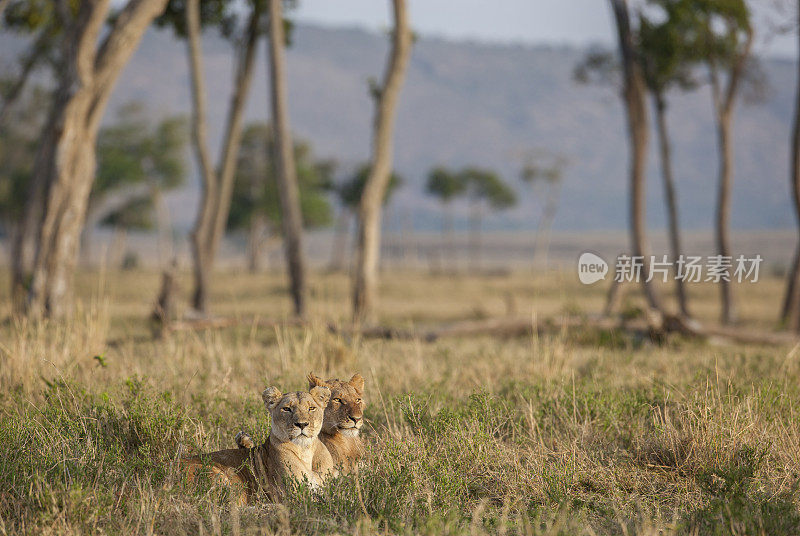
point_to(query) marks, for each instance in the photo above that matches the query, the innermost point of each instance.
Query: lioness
(344, 417)
(289, 450)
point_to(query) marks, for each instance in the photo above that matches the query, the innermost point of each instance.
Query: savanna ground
(579, 432)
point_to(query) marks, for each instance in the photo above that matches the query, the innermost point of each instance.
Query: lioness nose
(301, 425)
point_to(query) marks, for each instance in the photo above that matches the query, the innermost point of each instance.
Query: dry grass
(575, 433)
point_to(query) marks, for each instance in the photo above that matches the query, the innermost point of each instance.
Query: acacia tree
(723, 37)
(255, 206)
(446, 185)
(136, 161)
(483, 187)
(348, 195)
(551, 173)
(18, 141)
(187, 18)
(365, 277)
(90, 63)
(285, 171)
(667, 63)
(633, 97)
(790, 312)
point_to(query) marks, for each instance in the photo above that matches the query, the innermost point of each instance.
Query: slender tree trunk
(205, 218)
(164, 232)
(475, 237)
(254, 240)
(217, 186)
(369, 210)
(638, 133)
(285, 172)
(450, 240)
(85, 86)
(21, 256)
(724, 103)
(790, 313)
(119, 243)
(723, 212)
(548, 215)
(670, 196)
(233, 131)
(340, 234)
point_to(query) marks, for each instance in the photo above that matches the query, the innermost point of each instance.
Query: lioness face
(297, 417)
(345, 412)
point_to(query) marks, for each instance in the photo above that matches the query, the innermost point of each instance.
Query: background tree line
(63, 179)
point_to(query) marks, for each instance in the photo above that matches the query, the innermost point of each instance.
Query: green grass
(587, 432)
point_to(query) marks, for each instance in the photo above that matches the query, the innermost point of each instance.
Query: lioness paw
(244, 441)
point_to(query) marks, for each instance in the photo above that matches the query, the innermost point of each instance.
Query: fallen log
(655, 328)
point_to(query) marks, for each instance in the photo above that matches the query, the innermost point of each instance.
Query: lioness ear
(315, 381)
(357, 381)
(271, 396)
(322, 395)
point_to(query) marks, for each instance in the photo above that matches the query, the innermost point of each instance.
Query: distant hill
(482, 104)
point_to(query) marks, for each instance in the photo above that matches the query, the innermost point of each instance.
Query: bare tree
(217, 184)
(790, 313)
(721, 35)
(365, 278)
(552, 174)
(285, 172)
(638, 133)
(66, 167)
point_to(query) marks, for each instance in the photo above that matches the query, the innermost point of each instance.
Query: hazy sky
(530, 21)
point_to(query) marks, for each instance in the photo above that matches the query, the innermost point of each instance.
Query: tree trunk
(233, 131)
(217, 188)
(670, 197)
(164, 231)
(254, 239)
(450, 239)
(285, 172)
(370, 206)
(723, 211)
(341, 232)
(638, 133)
(475, 237)
(724, 104)
(790, 313)
(86, 81)
(119, 247)
(205, 217)
(548, 215)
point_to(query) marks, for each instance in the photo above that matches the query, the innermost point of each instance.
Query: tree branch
(118, 47)
(115, 201)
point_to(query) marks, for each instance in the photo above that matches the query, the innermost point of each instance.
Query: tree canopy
(136, 159)
(349, 192)
(256, 191)
(486, 185)
(445, 184)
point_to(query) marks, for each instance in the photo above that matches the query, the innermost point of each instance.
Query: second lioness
(342, 422)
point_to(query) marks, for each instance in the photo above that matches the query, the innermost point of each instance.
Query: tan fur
(288, 452)
(344, 418)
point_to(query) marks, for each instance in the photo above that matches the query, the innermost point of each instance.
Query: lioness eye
(337, 400)
(286, 409)
(359, 400)
(311, 409)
